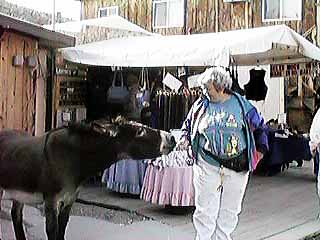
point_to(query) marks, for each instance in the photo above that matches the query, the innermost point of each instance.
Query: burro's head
(138, 141)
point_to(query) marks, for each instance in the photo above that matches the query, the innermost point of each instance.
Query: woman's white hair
(216, 75)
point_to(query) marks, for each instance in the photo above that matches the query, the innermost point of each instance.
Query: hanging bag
(143, 96)
(118, 94)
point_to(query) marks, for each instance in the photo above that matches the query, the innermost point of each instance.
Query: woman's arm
(185, 139)
(315, 132)
(259, 130)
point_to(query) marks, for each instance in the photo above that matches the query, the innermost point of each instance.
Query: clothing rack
(172, 108)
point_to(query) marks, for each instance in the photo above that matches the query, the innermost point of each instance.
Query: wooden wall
(203, 15)
(41, 92)
(17, 84)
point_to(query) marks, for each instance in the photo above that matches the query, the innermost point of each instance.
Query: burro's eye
(141, 132)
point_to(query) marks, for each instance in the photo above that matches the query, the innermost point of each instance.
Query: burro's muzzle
(167, 142)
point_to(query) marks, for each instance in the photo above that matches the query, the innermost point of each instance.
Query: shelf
(73, 79)
(292, 89)
(309, 103)
(70, 106)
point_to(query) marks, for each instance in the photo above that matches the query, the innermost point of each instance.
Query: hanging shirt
(221, 131)
(256, 89)
(235, 83)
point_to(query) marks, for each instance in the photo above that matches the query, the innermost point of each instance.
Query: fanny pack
(238, 163)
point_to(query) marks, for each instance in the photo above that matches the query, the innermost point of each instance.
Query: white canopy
(113, 22)
(264, 45)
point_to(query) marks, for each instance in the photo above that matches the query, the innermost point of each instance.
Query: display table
(125, 176)
(284, 148)
(168, 186)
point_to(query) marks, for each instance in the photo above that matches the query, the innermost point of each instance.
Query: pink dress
(168, 186)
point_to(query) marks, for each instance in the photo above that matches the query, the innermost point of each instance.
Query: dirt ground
(114, 216)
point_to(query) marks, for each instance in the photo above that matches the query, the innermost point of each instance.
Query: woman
(220, 132)
(314, 146)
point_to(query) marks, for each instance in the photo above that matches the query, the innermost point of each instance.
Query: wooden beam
(216, 10)
(246, 13)
(318, 22)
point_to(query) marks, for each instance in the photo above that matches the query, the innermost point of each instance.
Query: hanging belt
(221, 173)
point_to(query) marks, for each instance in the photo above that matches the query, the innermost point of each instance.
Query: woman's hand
(260, 155)
(313, 147)
(185, 146)
(182, 146)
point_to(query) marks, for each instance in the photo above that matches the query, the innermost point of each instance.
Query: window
(108, 11)
(168, 13)
(231, 1)
(281, 10)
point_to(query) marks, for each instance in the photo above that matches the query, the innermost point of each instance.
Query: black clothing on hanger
(235, 83)
(169, 109)
(256, 89)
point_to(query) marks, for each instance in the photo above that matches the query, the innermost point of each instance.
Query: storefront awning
(264, 45)
(113, 22)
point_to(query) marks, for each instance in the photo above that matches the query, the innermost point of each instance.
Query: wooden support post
(216, 9)
(318, 22)
(300, 92)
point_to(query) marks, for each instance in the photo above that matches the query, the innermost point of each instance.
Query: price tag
(66, 116)
(282, 118)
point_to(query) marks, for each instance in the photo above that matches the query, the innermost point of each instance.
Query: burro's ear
(97, 127)
(141, 131)
(120, 120)
(112, 131)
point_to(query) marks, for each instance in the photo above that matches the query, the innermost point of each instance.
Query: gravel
(114, 216)
(122, 217)
(315, 236)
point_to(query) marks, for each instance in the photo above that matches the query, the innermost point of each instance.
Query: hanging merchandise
(193, 81)
(181, 71)
(143, 95)
(256, 89)
(235, 82)
(118, 93)
(171, 82)
(172, 108)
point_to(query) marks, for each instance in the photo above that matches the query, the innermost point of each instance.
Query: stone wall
(28, 14)
(93, 34)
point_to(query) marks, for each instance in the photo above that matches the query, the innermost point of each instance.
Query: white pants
(216, 214)
(318, 190)
(318, 178)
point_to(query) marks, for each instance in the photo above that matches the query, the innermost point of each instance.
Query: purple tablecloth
(125, 176)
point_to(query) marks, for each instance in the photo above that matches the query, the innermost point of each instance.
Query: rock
(27, 14)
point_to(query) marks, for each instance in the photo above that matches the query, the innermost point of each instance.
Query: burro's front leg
(1, 195)
(68, 198)
(51, 214)
(63, 221)
(17, 219)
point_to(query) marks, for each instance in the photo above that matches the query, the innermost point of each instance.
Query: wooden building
(198, 16)
(26, 70)
(177, 16)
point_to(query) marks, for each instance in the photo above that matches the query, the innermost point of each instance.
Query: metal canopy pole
(54, 15)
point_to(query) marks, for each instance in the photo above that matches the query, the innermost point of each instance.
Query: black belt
(238, 163)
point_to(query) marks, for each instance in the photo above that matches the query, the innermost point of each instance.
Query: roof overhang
(47, 38)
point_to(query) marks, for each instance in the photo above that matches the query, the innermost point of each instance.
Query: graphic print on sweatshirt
(221, 130)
